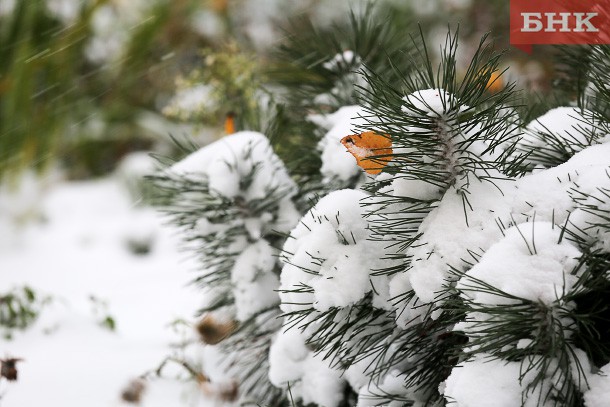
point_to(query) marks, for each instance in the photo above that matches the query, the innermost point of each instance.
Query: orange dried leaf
(495, 83)
(369, 144)
(229, 124)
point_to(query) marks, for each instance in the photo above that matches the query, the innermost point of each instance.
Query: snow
(256, 20)
(336, 162)
(484, 382)
(531, 262)
(20, 204)
(112, 25)
(65, 10)
(599, 388)
(405, 314)
(568, 124)
(341, 61)
(190, 101)
(227, 161)
(466, 145)
(346, 67)
(109, 39)
(329, 252)
(309, 376)
(254, 280)
(328, 260)
(446, 238)
(7, 7)
(241, 169)
(131, 172)
(286, 357)
(414, 188)
(321, 384)
(587, 220)
(394, 385)
(450, 231)
(429, 102)
(562, 121)
(509, 228)
(78, 253)
(137, 165)
(208, 24)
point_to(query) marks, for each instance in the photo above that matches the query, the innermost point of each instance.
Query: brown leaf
(369, 144)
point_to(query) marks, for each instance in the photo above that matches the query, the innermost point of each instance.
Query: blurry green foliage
(57, 104)
(18, 309)
(233, 80)
(37, 72)
(99, 309)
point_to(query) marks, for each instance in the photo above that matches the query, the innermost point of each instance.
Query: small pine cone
(211, 331)
(132, 393)
(228, 391)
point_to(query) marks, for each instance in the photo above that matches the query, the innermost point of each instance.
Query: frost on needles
(471, 272)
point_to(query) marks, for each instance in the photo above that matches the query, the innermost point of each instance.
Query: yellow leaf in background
(220, 6)
(369, 144)
(495, 83)
(230, 124)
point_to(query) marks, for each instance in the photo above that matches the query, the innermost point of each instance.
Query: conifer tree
(465, 263)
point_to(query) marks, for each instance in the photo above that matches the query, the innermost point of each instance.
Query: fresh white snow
(336, 162)
(329, 252)
(79, 256)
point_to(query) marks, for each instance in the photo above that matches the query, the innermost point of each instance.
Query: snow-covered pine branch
(232, 200)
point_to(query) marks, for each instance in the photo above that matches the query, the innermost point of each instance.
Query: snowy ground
(80, 251)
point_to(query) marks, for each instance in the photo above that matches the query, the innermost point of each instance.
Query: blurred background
(83, 83)
(93, 287)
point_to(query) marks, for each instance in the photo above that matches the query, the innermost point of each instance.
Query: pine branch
(544, 338)
(318, 71)
(433, 143)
